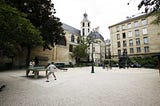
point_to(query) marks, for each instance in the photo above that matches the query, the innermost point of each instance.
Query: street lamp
(91, 37)
(92, 71)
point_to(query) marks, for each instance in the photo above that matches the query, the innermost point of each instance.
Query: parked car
(60, 65)
(135, 65)
(114, 65)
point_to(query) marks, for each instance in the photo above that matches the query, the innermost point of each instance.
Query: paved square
(80, 87)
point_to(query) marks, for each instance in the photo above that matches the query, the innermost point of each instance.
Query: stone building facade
(62, 51)
(138, 36)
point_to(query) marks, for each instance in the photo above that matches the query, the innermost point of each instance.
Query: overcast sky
(102, 13)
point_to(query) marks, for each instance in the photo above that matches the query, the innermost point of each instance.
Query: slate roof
(96, 35)
(71, 29)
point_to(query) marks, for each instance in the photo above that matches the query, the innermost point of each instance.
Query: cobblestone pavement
(80, 87)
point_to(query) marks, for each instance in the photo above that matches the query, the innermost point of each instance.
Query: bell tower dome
(85, 26)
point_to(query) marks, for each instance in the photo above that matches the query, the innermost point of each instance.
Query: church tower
(85, 26)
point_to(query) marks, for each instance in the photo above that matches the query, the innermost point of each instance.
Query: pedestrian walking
(51, 68)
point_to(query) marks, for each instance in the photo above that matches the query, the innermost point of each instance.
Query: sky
(101, 13)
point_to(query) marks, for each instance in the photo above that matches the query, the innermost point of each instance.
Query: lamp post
(92, 71)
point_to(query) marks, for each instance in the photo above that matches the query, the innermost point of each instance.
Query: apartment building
(137, 35)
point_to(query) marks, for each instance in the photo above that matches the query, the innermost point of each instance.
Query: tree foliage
(150, 5)
(41, 14)
(80, 51)
(15, 30)
(147, 61)
(52, 32)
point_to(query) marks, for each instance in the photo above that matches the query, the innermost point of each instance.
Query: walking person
(51, 68)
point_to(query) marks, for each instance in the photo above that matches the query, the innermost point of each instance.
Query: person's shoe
(47, 81)
(55, 79)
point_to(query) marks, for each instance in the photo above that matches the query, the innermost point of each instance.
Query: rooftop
(96, 35)
(129, 20)
(71, 29)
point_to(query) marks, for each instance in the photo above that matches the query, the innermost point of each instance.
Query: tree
(41, 14)
(152, 7)
(80, 52)
(16, 31)
(52, 32)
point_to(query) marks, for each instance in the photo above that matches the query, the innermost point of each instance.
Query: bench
(36, 70)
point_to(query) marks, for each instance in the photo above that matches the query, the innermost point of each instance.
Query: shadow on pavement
(32, 77)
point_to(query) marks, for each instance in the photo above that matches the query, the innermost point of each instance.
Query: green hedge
(147, 61)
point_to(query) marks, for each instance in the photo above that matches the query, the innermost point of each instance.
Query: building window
(88, 30)
(144, 31)
(72, 38)
(137, 32)
(78, 40)
(146, 49)
(123, 27)
(124, 43)
(124, 35)
(83, 32)
(118, 36)
(130, 42)
(129, 25)
(144, 22)
(61, 41)
(119, 52)
(124, 51)
(137, 41)
(88, 24)
(130, 34)
(117, 28)
(93, 49)
(138, 49)
(131, 50)
(118, 44)
(145, 40)
(83, 24)
(136, 24)
(70, 48)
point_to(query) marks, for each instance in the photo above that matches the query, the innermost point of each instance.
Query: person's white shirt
(51, 68)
